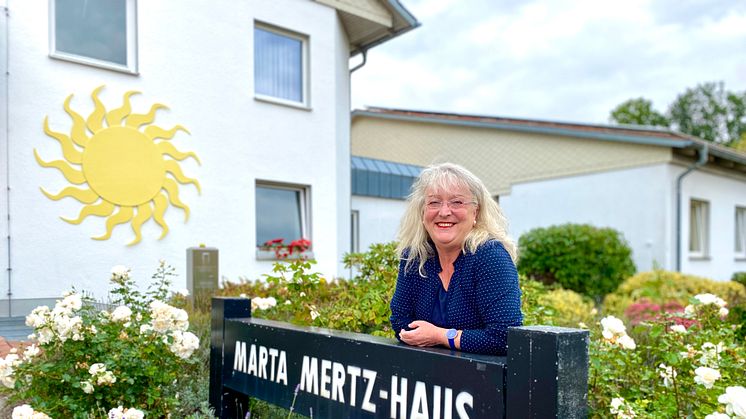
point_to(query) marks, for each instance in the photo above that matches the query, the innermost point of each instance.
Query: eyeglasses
(455, 204)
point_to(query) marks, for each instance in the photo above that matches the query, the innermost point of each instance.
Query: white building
(261, 89)
(546, 173)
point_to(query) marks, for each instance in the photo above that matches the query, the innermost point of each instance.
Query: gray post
(547, 372)
(227, 403)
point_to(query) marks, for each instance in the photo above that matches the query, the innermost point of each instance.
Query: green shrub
(579, 257)
(553, 306)
(739, 277)
(663, 287)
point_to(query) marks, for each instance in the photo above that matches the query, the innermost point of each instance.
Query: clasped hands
(423, 334)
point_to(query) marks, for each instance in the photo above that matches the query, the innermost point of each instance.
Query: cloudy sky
(567, 60)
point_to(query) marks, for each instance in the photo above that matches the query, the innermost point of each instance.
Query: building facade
(546, 173)
(134, 130)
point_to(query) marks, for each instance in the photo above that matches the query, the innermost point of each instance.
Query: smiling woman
(457, 284)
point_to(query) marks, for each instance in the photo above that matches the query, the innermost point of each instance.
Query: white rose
(717, 415)
(723, 312)
(27, 412)
(668, 374)
(116, 413)
(678, 328)
(735, 401)
(120, 272)
(31, 351)
(183, 292)
(614, 325)
(706, 376)
(96, 369)
(106, 378)
(86, 386)
(133, 413)
(627, 342)
(121, 314)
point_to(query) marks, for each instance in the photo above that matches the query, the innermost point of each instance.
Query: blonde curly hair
(490, 221)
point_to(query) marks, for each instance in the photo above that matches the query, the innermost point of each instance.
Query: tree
(710, 112)
(707, 111)
(638, 112)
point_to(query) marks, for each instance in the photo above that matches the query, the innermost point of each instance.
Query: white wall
(379, 219)
(633, 201)
(723, 195)
(197, 58)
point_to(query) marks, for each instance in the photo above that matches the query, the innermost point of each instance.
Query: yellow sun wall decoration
(119, 159)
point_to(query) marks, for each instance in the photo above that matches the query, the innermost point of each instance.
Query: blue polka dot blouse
(484, 298)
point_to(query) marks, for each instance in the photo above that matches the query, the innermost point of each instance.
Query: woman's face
(449, 217)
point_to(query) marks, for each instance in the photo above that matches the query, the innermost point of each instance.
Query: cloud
(565, 59)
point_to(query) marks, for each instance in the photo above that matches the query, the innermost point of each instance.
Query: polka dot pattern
(484, 298)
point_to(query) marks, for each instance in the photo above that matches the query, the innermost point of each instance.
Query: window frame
(739, 234)
(305, 102)
(305, 216)
(131, 40)
(703, 250)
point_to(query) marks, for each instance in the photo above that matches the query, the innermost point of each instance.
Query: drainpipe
(703, 153)
(365, 59)
(6, 134)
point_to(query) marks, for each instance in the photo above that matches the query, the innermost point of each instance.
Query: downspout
(6, 89)
(365, 59)
(703, 154)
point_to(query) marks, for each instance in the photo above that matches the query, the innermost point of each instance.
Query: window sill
(282, 102)
(271, 255)
(94, 63)
(699, 258)
(740, 259)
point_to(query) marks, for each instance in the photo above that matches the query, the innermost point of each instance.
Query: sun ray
(77, 132)
(143, 214)
(95, 120)
(71, 153)
(71, 174)
(102, 209)
(155, 132)
(121, 217)
(85, 196)
(160, 203)
(136, 120)
(173, 168)
(169, 150)
(115, 116)
(172, 188)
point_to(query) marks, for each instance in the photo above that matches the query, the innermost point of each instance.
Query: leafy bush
(665, 369)
(86, 362)
(580, 257)
(552, 306)
(739, 277)
(664, 287)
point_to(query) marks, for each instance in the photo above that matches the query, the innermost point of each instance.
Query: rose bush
(85, 362)
(673, 365)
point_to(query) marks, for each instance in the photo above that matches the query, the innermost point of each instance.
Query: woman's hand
(423, 334)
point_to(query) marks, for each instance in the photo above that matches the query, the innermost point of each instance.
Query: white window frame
(132, 62)
(701, 222)
(305, 213)
(305, 102)
(740, 233)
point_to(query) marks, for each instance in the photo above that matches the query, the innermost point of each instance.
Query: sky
(559, 60)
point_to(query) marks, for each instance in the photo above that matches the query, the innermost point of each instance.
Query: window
(281, 213)
(280, 65)
(699, 224)
(355, 231)
(740, 247)
(101, 33)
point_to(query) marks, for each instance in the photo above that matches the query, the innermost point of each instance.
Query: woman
(457, 284)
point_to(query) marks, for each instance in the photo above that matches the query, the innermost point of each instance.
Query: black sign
(332, 374)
